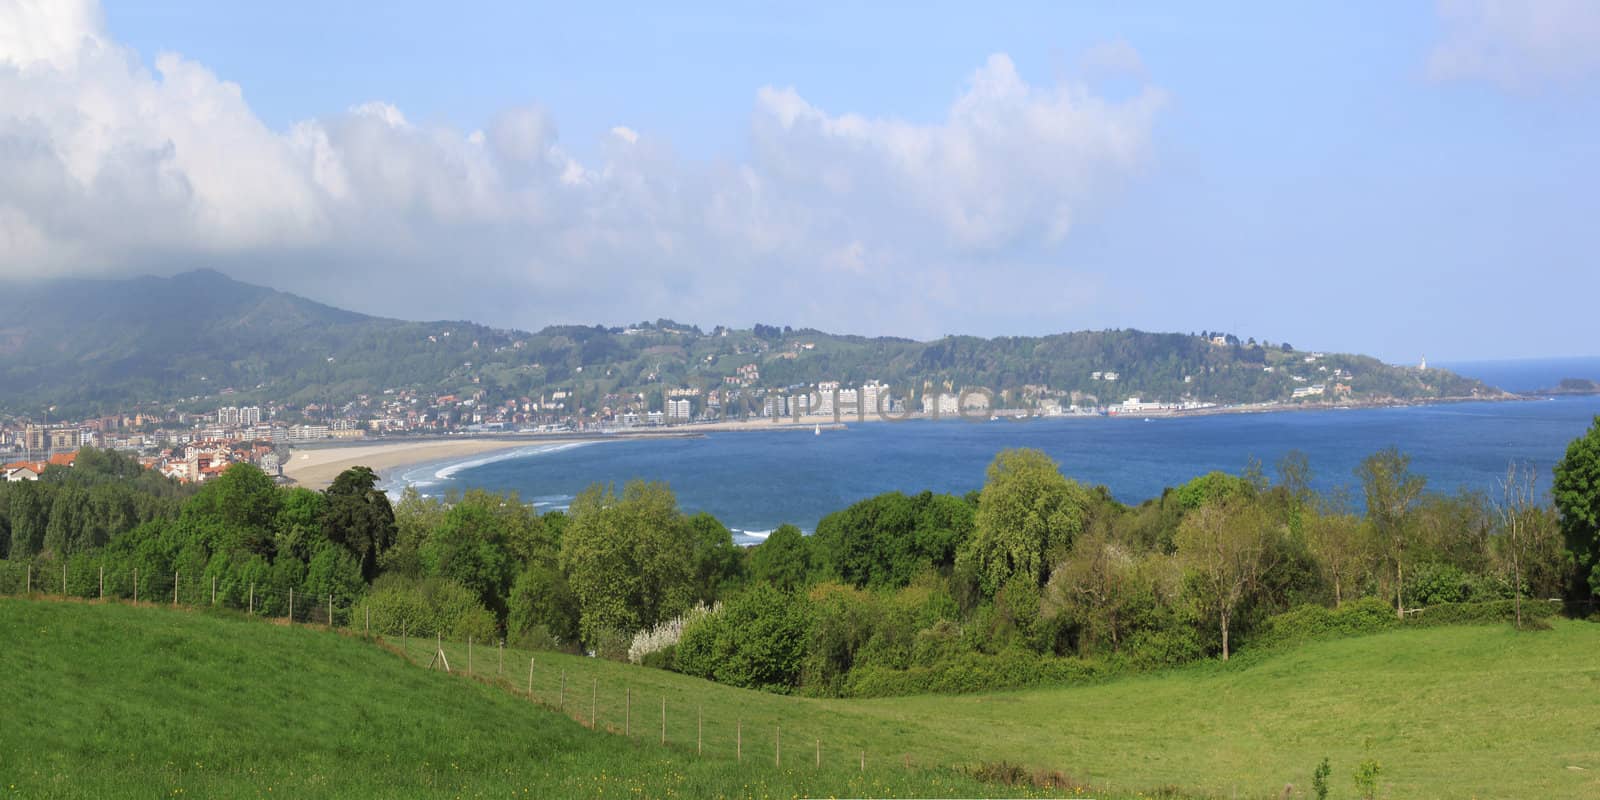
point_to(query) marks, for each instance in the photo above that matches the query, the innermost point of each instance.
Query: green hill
(90, 346)
(111, 700)
(114, 701)
(1462, 711)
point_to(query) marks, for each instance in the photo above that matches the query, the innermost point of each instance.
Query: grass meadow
(111, 700)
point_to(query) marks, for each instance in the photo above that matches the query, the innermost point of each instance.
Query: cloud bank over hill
(865, 223)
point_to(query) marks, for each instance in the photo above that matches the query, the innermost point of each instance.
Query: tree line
(1033, 578)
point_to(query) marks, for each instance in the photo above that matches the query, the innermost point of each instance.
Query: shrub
(1494, 611)
(538, 637)
(663, 635)
(662, 659)
(757, 640)
(1431, 584)
(1311, 622)
(974, 672)
(1159, 648)
(421, 607)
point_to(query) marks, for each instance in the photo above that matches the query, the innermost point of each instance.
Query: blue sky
(1400, 179)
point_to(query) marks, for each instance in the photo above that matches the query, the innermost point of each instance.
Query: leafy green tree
(1343, 548)
(887, 540)
(1392, 491)
(30, 516)
(1100, 586)
(298, 526)
(470, 548)
(415, 518)
(541, 599)
(783, 560)
(1228, 548)
(242, 505)
(757, 640)
(1577, 498)
(1027, 517)
(64, 531)
(718, 562)
(628, 558)
(1213, 487)
(357, 516)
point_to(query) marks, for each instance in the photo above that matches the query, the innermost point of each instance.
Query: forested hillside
(88, 346)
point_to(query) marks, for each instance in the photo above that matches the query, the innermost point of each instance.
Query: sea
(754, 481)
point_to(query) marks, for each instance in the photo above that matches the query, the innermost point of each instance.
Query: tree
(1519, 524)
(783, 560)
(241, 505)
(1342, 547)
(469, 547)
(1391, 491)
(627, 558)
(718, 562)
(1100, 583)
(1227, 548)
(1577, 498)
(30, 516)
(1028, 515)
(358, 517)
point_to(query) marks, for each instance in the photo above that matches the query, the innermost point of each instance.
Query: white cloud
(1517, 43)
(844, 220)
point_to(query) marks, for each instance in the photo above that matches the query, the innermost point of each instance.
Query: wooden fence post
(30, 578)
(213, 590)
(136, 586)
(252, 598)
(102, 582)
(863, 761)
(594, 692)
(530, 676)
(291, 605)
(63, 579)
(174, 588)
(330, 610)
(819, 754)
(367, 628)
(738, 740)
(777, 746)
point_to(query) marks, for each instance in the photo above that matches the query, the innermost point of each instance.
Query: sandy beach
(317, 467)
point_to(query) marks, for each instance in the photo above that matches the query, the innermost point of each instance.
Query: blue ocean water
(754, 481)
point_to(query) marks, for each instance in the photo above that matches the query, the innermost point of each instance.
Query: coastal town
(192, 446)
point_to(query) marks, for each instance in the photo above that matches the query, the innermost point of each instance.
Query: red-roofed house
(22, 471)
(64, 459)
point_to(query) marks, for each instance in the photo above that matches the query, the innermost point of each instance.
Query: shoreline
(314, 466)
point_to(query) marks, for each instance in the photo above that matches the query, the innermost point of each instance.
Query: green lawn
(1468, 711)
(116, 701)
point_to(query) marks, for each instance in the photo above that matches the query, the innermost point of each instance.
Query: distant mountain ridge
(88, 346)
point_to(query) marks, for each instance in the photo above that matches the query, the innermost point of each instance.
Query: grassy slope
(1473, 711)
(113, 701)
